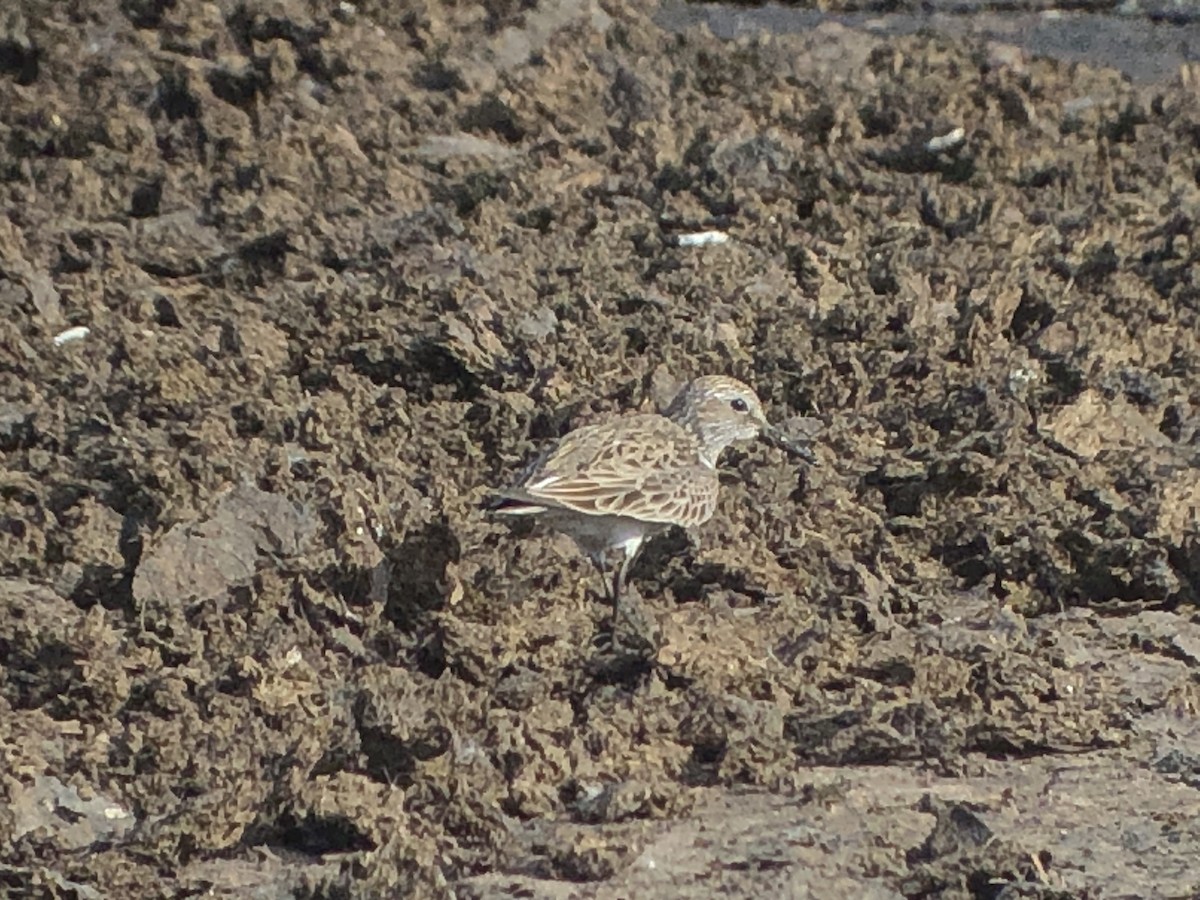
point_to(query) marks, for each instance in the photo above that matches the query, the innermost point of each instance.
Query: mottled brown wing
(686, 497)
(645, 467)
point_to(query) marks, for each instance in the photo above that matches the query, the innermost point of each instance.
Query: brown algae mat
(287, 291)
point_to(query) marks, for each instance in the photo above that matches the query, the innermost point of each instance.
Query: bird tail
(512, 504)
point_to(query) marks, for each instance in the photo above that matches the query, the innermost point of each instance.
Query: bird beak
(793, 446)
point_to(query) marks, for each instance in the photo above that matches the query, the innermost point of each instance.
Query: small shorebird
(611, 485)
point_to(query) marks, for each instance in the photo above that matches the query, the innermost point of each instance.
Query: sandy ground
(341, 273)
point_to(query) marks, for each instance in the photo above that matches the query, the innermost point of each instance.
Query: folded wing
(643, 467)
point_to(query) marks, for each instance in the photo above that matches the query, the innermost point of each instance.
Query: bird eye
(739, 405)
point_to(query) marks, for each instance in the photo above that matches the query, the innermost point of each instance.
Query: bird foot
(627, 632)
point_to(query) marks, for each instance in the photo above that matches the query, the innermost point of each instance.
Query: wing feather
(645, 467)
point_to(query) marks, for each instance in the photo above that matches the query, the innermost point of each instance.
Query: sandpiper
(611, 485)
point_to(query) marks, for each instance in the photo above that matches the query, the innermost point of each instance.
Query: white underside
(630, 541)
(596, 535)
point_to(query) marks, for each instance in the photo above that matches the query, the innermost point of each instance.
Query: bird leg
(605, 583)
(619, 588)
(608, 586)
(614, 587)
(632, 616)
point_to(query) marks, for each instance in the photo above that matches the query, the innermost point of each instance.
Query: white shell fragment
(702, 238)
(946, 141)
(78, 333)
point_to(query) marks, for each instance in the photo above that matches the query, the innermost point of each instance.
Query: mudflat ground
(344, 267)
